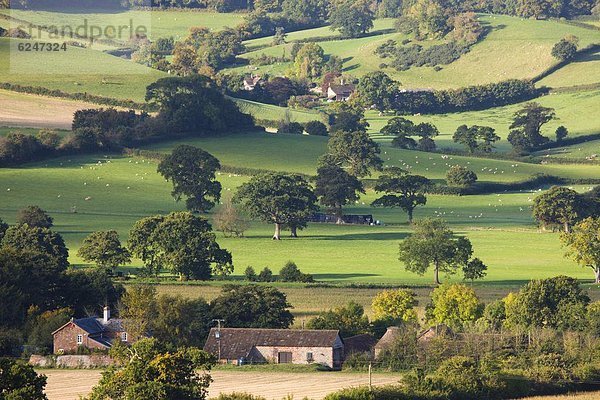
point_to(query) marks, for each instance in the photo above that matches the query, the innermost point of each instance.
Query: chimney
(106, 314)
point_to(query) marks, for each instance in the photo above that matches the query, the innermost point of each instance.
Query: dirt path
(70, 384)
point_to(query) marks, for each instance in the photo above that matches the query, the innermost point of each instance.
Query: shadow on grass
(340, 276)
(362, 236)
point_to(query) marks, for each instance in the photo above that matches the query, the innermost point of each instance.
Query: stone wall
(74, 361)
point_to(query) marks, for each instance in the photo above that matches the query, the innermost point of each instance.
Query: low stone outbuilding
(280, 346)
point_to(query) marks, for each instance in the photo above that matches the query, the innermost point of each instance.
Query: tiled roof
(359, 343)
(238, 342)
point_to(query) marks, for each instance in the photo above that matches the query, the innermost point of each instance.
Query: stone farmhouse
(282, 346)
(341, 92)
(91, 333)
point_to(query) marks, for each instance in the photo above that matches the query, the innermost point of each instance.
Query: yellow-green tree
(583, 244)
(397, 305)
(309, 61)
(454, 305)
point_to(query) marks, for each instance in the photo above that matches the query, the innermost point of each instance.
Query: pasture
(513, 48)
(102, 192)
(76, 70)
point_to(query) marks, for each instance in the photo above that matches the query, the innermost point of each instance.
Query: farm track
(70, 384)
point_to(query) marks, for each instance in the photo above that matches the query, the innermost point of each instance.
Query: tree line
(185, 108)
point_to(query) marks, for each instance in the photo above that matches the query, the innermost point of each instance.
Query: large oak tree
(278, 198)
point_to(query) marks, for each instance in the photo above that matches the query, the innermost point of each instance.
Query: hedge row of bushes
(470, 98)
(90, 98)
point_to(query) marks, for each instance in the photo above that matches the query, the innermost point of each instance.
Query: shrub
(266, 275)
(460, 176)
(564, 50)
(250, 274)
(290, 127)
(291, 273)
(316, 128)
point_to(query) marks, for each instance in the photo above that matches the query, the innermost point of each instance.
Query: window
(79, 339)
(285, 357)
(124, 336)
(309, 357)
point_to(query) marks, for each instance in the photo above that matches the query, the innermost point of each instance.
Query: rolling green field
(514, 48)
(577, 111)
(583, 71)
(112, 192)
(76, 70)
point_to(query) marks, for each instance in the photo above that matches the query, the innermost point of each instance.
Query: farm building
(394, 332)
(281, 346)
(90, 333)
(340, 92)
(359, 344)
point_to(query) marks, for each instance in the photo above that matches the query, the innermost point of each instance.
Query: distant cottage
(340, 92)
(90, 333)
(250, 82)
(282, 346)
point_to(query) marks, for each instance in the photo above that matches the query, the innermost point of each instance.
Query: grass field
(514, 48)
(583, 71)
(577, 111)
(496, 224)
(76, 70)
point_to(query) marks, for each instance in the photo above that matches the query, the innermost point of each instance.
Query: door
(285, 357)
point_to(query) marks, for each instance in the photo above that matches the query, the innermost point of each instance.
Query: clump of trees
(181, 243)
(336, 188)
(291, 273)
(349, 320)
(560, 206)
(405, 130)
(460, 176)
(476, 138)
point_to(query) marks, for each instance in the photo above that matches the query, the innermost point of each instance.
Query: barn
(280, 346)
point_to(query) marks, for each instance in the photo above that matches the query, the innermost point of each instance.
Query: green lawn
(121, 190)
(275, 113)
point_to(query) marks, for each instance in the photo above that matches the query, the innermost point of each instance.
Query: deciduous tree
(192, 172)
(277, 198)
(351, 17)
(434, 244)
(335, 188)
(454, 305)
(401, 190)
(395, 305)
(377, 90)
(583, 244)
(35, 217)
(558, 206)
(460, 176)
(349, 320)
(252, 306)
(104, 248)
(356, 150)
(181, 243)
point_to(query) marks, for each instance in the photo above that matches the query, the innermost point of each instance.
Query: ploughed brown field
(70, 384)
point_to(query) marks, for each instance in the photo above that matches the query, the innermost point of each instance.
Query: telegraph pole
(218, 334)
